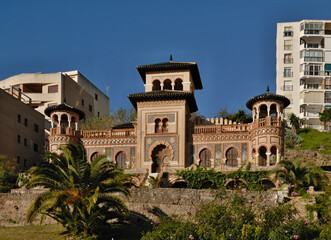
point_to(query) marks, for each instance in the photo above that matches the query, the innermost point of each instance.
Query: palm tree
(79, 194)
(301, 176)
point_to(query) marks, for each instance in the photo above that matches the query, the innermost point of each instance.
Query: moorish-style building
(166, 137)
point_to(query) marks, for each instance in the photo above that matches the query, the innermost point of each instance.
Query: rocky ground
(308, 156)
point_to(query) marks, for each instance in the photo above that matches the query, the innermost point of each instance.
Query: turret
(64, 125)
(267, 133)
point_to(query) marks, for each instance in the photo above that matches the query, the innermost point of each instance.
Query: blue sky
(233, 42)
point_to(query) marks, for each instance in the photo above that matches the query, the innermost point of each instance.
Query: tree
(301, 176)
(117, 117)
(325, 117)
(240, 117)
(79, 194)
(295, 122)
(8, 176)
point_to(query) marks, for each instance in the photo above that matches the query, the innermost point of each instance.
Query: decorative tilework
(244, 153)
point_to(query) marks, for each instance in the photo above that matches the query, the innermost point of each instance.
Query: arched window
(262, 156)
(94, 156)
(160, 157)
(263, 111)
(55, 120)
(121, 160)
(72, 123)
(231, 157)
(167, 85)
(179, 84)
(156, 85)
(64, 123)
(165, 125)
(204, 157)
(157, 125)
(273, 155)
(273, 110)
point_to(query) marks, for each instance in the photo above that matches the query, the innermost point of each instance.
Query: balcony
(308, 74)
(313, 59)
(109, 133)
(309, 115)
(208, 129)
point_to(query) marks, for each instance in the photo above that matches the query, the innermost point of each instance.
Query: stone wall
(145, 204)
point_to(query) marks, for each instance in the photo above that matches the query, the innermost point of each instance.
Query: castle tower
(64, 125)
(267, 130)
(164, 132)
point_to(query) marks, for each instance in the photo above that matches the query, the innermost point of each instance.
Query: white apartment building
(48, 89)
(303, 68)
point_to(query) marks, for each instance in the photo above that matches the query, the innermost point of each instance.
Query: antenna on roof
(268, 89)
(107, 89)
(170, 58)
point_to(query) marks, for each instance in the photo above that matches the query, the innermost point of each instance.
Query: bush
(235, 219)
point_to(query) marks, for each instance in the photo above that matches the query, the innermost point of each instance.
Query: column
(173, 86)
(268, 158)
(277, 156)
(161, 86)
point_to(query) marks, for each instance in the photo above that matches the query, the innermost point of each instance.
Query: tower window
(156, 85)
(19, 118)
(179, 84)
(82, 102)
(96, 97)
(25, 122)
(18, 139)
(90, 107)
(18, 159)
(167, 85)
(25, 142)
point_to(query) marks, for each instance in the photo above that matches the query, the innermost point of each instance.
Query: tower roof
(267, 96)
(164, 95)
(167, 66)
(64, 107)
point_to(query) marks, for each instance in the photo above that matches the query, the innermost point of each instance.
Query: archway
(94, 156)
(179, 84)
(262, 156)
(121, 160)
(263, 111)
(204, 157)
(273, 111)
(179, 184)
(231, 157)
(156, 85)
(64, 123)
(160, 154)
(158, 127)
(167, 85)
(273, 155)
(266, 184)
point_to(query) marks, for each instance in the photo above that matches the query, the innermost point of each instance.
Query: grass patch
(52, 232)
(31, 232)
(313, 140)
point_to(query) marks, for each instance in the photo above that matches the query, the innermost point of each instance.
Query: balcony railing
(288, 88)
(313, 31)
(63, 131)
(313, 59)
(207, 129)
(313, 73)
(109, 133)
(288, 60)
(288, 74)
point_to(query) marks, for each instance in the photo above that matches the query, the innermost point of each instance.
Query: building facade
(166, 137)
(49, 89)
(304, 68)
(22, 130)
